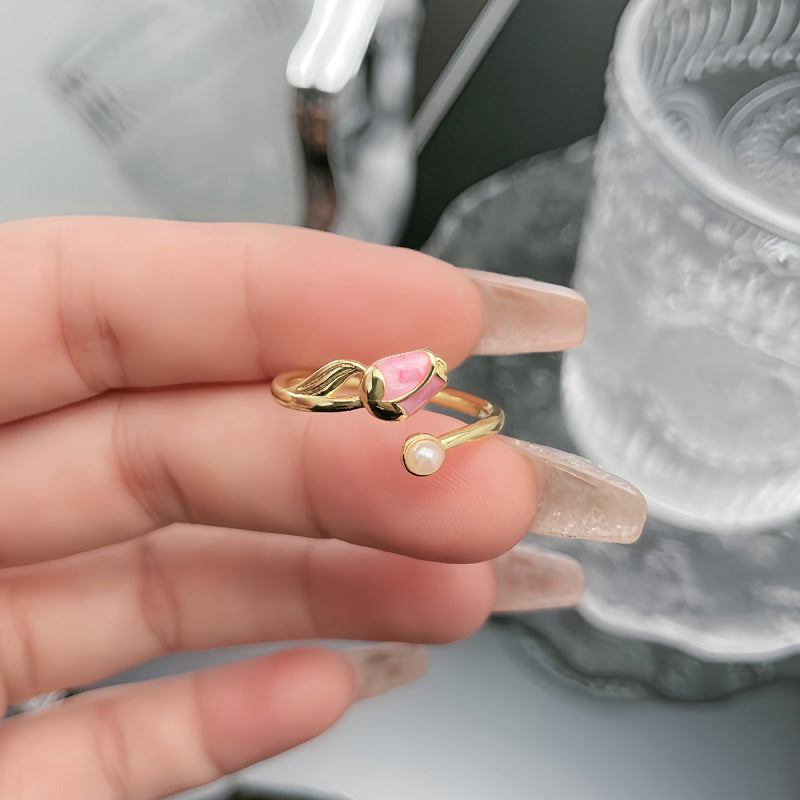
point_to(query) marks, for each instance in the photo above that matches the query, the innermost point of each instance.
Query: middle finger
(118, 466)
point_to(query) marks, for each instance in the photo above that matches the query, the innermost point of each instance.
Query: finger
(76, 620)
(145, 741)
(91, 304)
(122, 465)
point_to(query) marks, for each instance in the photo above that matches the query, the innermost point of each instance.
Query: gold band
(393, 389)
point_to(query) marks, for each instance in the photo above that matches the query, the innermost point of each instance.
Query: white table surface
(483, 723)
(486, 723)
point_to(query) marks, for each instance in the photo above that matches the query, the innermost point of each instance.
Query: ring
(393, 388)
(40, 702)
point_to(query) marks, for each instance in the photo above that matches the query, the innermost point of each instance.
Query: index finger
(91, 304)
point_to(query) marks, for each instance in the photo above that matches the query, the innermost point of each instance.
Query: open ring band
(391, 389)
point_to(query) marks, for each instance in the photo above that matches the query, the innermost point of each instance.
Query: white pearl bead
(424, 456)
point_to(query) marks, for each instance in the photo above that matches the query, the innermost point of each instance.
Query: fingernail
(528, 578)
(382, 667)
(579, 500)
(526, 316)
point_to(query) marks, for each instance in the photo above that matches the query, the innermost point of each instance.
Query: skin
(148, 482)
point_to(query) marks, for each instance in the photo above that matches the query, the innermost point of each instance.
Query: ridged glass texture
(688, 384)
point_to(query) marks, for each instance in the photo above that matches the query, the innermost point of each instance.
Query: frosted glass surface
(720, 598)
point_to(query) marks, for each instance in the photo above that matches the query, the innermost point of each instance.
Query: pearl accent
(424, 456)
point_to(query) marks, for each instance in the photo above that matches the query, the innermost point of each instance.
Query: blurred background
(538, 87)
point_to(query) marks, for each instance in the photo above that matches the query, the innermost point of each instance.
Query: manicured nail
(382, 667)
(528, 578)
(526, 316)
(579, 500)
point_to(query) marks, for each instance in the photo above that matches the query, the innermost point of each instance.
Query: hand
(144, 460)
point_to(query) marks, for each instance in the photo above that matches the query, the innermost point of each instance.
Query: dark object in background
(275, 794)
(539, 87)
(447, 23)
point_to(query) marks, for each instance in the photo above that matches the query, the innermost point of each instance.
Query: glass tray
(684, 614)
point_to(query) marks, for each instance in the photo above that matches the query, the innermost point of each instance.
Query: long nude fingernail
(526, 316)
(579, 500)
(382, 667)
(528, 578)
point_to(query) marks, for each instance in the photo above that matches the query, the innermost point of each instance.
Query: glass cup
(191, 100)
(688, 383)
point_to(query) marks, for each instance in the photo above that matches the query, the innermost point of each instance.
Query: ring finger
(78, 619)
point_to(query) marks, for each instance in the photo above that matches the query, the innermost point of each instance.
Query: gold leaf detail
(326, 380)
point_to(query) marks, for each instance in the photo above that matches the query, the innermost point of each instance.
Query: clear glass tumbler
(689, 381)
(190, 98)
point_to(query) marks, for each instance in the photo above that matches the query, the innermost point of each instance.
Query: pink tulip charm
(401, 385)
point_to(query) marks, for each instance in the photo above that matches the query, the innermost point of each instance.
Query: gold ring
(392, 389)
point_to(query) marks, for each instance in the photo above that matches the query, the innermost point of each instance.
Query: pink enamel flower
(411, 379)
